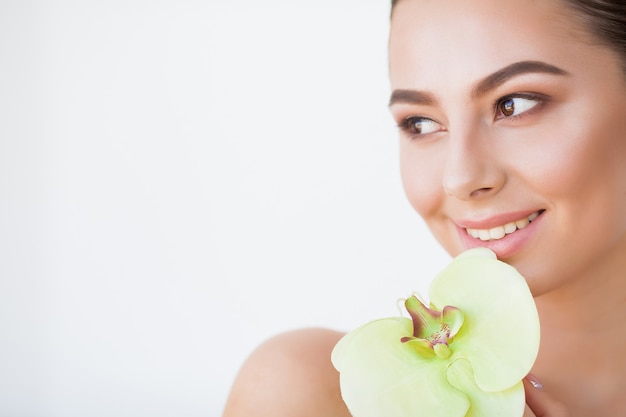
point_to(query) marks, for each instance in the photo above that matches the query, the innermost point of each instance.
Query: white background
(182, 179)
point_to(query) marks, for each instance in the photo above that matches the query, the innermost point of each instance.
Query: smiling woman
(501, 169)
(512, 118)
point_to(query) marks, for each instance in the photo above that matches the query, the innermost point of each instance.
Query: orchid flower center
(433, 330)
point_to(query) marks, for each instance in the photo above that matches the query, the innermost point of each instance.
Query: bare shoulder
(289, 375)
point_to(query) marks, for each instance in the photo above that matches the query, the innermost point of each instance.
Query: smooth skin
(289, 375)
(505, 108)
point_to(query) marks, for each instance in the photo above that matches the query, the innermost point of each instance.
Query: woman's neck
(583, 335)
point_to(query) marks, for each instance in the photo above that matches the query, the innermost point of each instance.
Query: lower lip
(509, 245)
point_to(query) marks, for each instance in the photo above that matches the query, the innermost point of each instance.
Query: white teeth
(522, 223)
(510, 228)
(497, 232)
(501, 231)
(484, 234)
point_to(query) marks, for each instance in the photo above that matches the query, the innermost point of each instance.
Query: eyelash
(407, 125)
(540, 99)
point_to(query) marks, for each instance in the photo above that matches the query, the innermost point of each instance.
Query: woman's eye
(419, 126)
(515, 106)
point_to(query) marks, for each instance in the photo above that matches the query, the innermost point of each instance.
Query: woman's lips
(505, 234)
(498, 232)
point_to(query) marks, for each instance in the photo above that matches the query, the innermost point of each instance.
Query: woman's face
(509, 113)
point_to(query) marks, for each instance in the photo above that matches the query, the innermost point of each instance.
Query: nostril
(480, 191)
(472, 177)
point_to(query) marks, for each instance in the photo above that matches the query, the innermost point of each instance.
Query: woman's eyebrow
(411, 97)
(483, 86)
(510, 71)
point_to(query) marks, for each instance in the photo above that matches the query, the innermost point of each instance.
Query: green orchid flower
(464, 355)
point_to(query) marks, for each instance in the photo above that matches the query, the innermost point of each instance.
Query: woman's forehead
(469, 41)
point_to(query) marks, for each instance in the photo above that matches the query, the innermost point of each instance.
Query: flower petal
(383, 377)
(483, 253)
(426, 321)
(500, 333)
(508, 403)
(453, 317)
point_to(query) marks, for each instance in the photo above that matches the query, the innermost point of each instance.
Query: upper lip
(495, 220)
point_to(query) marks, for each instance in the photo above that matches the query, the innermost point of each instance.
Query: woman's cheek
(422, 181)
(422, 172)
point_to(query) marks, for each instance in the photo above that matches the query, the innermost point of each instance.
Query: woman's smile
(505, 239)
(498, 232)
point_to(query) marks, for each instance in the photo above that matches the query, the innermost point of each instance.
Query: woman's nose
(472, 169)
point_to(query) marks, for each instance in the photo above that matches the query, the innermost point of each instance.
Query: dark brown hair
(605, 20)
